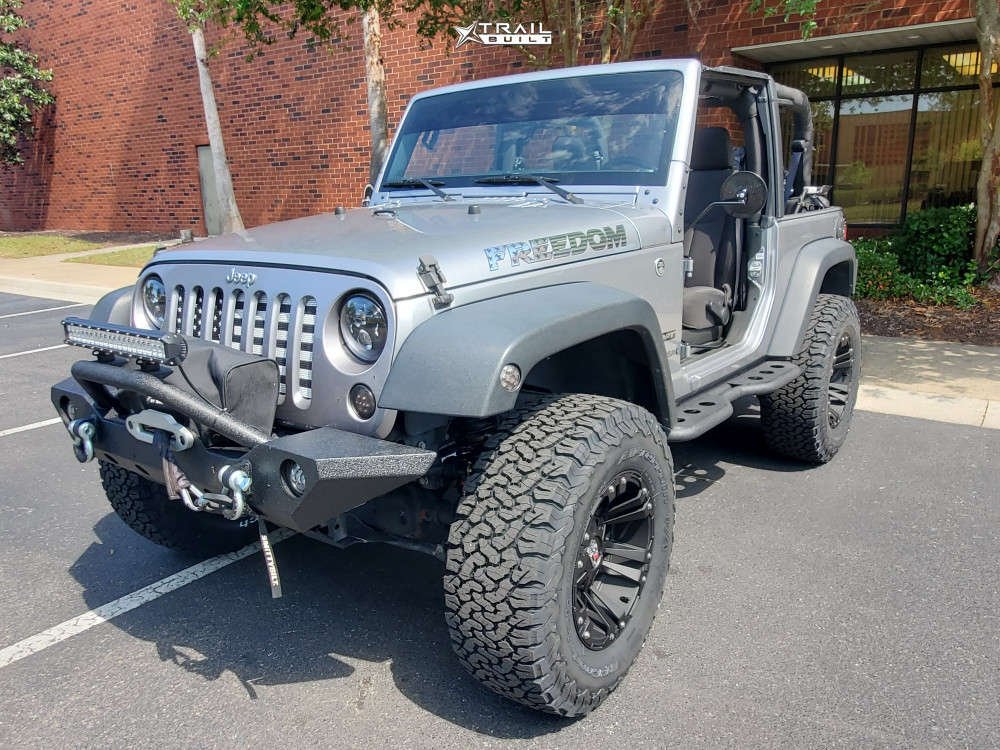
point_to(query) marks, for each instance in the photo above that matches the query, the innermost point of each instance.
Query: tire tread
(504, 558)
(793, 417)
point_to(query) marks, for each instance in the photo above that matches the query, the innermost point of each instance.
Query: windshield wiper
(409, 182)
(522, 178)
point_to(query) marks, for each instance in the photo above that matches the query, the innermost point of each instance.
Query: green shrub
(942, 294)
(935, 245)
(928, 259)
(879, 274)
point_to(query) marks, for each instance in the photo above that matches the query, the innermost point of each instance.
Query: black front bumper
(343, 470)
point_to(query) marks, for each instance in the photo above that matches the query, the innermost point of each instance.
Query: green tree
(987, 194)
(21, 89)
(805, 9)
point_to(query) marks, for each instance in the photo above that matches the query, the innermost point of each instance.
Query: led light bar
(107, 338)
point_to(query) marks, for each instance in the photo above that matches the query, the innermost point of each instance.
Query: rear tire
(146, 509)
(527, 551)
(808, 419)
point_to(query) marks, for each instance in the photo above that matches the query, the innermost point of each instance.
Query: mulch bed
(977, 325)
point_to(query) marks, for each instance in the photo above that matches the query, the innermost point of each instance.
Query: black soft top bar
(802, 125)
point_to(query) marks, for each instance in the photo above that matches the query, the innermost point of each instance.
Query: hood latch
(430, 275)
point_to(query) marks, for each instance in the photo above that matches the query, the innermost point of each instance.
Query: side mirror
(743, 194)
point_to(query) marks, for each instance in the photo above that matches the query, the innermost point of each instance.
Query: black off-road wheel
(558, 554)
(146, 509)
(808, 419)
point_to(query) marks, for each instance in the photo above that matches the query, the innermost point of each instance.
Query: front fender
(114, 307)
(811, 269)
(451, 363)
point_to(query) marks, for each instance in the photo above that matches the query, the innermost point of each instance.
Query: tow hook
(231, 502)
(238, 482)
(83, 432)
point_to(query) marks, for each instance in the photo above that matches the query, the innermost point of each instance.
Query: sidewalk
(957, 383)
(48, 276)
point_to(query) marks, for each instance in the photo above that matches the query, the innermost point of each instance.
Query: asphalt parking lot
(851, 605)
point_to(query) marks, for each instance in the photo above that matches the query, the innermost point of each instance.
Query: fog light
(295, 478)
(510, 377)
(363, 401)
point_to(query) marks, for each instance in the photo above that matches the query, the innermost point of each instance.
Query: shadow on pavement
(701, 463)
(374, 603)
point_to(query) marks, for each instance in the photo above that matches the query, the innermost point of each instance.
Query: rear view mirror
(743, 194)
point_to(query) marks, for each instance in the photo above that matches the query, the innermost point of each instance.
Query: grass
(134, 257)
(33, 245)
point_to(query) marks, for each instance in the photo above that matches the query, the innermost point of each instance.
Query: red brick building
(120, 147)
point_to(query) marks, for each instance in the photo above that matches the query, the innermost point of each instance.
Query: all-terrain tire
(146, 509)
(799, 420)
(512, 557)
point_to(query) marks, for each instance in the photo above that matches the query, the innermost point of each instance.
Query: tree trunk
(231, 219)
(607, 31)
(987, 194)
(371, 27)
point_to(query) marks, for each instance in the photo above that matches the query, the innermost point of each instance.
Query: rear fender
(829, 266)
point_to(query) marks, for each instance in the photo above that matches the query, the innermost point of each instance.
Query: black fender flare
(811, 275)
(450, 364)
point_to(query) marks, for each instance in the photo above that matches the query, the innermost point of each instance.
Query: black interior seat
(713, 243)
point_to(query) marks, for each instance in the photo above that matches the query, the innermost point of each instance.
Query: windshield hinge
(688, 266)
(429, 273)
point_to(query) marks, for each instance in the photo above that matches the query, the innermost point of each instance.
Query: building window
(894, 131)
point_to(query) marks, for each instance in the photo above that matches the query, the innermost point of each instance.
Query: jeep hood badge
(241, 277)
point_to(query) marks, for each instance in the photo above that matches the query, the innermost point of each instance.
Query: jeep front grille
(240, 320)
(196, 314)
(259, 318)
(306, 346)
(290, 315)
(281, 343)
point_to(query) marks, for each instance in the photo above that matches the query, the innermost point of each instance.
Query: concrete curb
(934, 406)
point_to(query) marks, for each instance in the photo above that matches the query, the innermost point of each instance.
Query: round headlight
(363, 327)
(154, 299)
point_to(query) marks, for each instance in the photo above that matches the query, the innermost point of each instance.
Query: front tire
(559, 551)
(146, 509)
(808, 419)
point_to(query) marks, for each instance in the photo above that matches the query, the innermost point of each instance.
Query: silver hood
(384, 242)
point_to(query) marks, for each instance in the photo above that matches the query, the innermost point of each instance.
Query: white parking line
(35, 643)
(34, 351)
(32, 426)
(44, 309)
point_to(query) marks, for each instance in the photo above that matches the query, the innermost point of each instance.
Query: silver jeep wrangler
(557, 275)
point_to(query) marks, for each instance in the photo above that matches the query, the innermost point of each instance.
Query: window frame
(839, 96)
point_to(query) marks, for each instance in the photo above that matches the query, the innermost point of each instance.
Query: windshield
(609, 129)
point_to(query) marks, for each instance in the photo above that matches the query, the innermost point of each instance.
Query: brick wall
(720, 25)
(118, 148)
